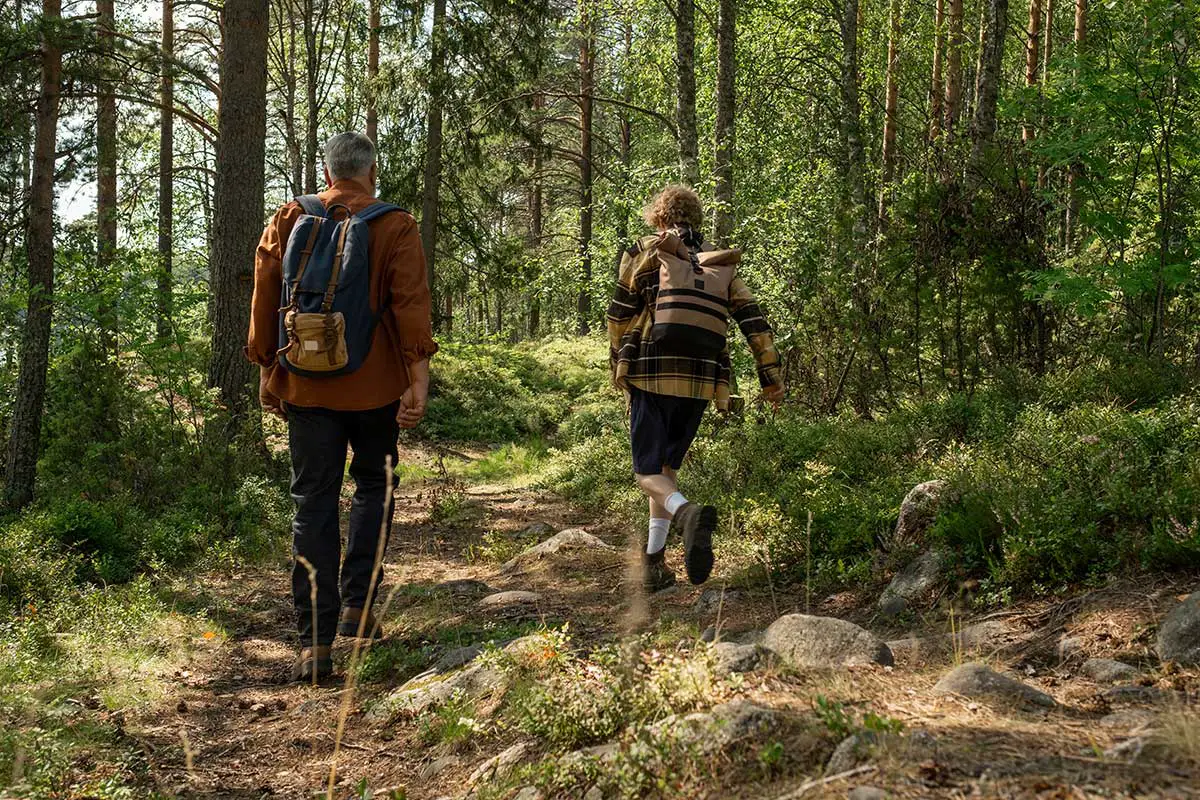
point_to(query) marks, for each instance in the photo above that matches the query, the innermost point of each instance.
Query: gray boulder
(730, 657)
(980, 682)
(425, 693)
(1136, 694)
(462, 586)
(1179, 634)
(1105, 670)
(850, 752)
(801, 640)
(719, 728)
(572, 539)
(913, 583)
(459, 656)
(917, 513)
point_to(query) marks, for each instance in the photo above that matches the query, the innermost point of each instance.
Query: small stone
(866, 793)
(510, 599)
(497, 767)
(426, 692)
(259, 708)
(979, 682)
(538, 530)
(436, 767)
(1179, 633)
(593, 793)
(850, 752)
(1106, 670)
(453, 659)
(709, 634)
(1128, 719)
(1068, 647)
(730, 657)
(917, 513)
(1135, 694)
(712, 600)
(722, 726)
(913, 583)
(824, 643)
(528, 793)
(462, 586)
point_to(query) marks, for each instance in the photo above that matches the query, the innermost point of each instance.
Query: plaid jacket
(636, 361)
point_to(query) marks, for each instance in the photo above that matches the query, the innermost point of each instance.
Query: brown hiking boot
(313, 659)
(695, 525)
(656, 575)
(349, 622)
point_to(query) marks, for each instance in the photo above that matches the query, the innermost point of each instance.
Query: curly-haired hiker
(667, 328)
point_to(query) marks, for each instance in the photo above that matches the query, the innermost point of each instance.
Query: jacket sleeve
(749, 317)
(262, 340)
(627, 303)
(411, 303)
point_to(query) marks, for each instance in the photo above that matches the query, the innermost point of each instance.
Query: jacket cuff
(256, 358)
(419, 351)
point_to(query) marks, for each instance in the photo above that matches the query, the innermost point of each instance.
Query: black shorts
(661, 429)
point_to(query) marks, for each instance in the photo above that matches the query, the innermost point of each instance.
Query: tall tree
(587, 85)
(372, 71)
(1047, 55)
(685, 100)
(1033, 53)
(166, 177)
(106, 171)
(726, 121)
(954, 68)
(238, 196)
(936, 81)
(25, 428)
(433, 141)
(987, 81)
(1076, 170)
(891, 112)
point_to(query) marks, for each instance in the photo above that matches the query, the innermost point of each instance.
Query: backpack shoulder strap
(377, 210)
(312, 205)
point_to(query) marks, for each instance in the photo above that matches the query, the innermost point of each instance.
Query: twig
(817, 783)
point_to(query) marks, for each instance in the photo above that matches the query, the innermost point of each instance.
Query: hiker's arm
(411, 304)
(262, 340)
(626, 305)
(749, 317)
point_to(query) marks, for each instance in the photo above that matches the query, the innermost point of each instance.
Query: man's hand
(774, 394)
(412, 403)
(270, 403)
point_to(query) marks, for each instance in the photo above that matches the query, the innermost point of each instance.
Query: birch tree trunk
(164, 304)
(433, 141)
(936, 82)
(890, 114)
(1076, 170)
(373, 72)
(587, 74)
(106, 177)
(987, 83)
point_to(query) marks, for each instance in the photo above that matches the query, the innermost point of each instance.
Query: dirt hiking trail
(234, 727)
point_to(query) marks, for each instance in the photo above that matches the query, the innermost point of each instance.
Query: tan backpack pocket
(316, 341)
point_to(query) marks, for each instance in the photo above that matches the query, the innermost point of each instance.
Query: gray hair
(349, 155)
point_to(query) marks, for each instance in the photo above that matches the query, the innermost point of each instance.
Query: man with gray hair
(362, 407)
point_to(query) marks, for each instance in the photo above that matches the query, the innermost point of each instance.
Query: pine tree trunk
(891, 109)
(373, 72)
(685, 108)
(311, 107)
(987, 83)
(106, 177)
(238, 197)
(164, 303)
(1033, 52)
(1076, 170)
(1047, 55)
(954, 69)
(936, 87)
(587, 68)
(625, 147)
(26, 425)
(433, 142)
(726, 121)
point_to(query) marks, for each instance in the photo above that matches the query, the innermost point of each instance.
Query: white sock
(675, 502)
(657, 539)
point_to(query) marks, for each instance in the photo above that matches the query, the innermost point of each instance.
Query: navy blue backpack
(326, 324)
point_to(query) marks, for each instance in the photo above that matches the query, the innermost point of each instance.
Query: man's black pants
(318, 439)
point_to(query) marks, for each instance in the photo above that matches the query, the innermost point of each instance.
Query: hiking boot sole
(697, 544)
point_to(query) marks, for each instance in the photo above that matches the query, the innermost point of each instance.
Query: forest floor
(226, 723)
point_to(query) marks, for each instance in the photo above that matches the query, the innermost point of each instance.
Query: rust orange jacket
(404, 335)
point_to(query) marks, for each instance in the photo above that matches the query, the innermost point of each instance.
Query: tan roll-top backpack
(691, 314)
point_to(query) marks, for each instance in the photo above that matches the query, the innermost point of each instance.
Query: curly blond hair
(674, 205)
